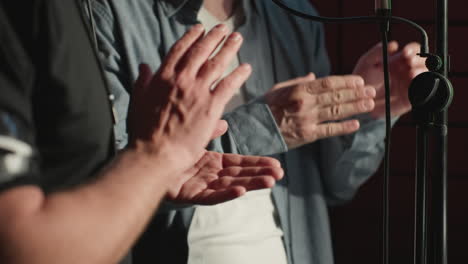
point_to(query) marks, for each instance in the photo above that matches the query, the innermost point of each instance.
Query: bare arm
(96, 223)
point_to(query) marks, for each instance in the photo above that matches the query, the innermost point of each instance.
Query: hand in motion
(218, 178)
(307, 109)
(404, 65)
(174, 111)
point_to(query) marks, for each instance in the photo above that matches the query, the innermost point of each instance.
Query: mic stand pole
(440, 161)
(430, 94)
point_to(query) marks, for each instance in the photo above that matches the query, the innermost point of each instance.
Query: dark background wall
(356, 226)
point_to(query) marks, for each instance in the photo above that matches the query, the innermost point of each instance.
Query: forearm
(94, 223)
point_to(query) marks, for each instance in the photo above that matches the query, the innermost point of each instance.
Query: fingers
(374, 55)
(220, 129)
(301, 109)
(411, 49)
(392, 47)
(144, 77)
(345, 95)
(230, 160)
(212, 197)
(180, 48)
(334, 83)
(251, 172)
(140, 87)
(248, 182)
(180, 106)
(227, 187)
(230, 84)
(202, 49)
(407, 58)
(341, 111)
(305, 79)
(214, 68)
(336, 129)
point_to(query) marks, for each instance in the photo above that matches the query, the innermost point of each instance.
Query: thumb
(144, 77)
(220, 129)
(304, 79)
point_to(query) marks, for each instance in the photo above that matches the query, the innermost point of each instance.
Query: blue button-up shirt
(279, 47)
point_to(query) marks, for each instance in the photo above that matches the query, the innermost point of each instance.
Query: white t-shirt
(242, 231)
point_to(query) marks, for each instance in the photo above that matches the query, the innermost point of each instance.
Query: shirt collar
(173, 7)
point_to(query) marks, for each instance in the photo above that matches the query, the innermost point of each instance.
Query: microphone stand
(440, 179)
(430, 94)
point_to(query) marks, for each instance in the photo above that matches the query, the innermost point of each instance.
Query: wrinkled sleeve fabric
(348, 161)
(252, 131)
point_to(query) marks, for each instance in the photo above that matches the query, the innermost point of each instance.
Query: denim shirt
(279, 47)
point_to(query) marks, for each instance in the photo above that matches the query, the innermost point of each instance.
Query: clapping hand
(404, 65)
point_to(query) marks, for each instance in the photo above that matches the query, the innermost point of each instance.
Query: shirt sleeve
(252, 131)
(348, 161)
(17, 162)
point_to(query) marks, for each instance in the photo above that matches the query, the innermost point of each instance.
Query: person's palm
(404, 66)
(221, 177)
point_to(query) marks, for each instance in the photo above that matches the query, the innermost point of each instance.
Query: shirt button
(111, 97)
